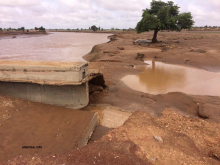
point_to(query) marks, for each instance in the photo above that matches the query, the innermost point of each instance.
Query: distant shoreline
(84, 31)
(4, 34)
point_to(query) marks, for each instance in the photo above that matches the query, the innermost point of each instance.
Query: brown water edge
(25, 123)
(32, 124)
(58, 46)
(161, 78)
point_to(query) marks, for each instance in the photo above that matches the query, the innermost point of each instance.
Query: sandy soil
(54, 129)
(173, 128)
(169, 139)
(181, 48)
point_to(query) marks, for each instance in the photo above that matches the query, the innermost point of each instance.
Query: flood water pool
(57, 46)
(161, 78)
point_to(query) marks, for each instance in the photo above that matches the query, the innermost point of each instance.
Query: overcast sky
(103, 13)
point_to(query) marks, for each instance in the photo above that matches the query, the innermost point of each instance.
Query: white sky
(103, 13)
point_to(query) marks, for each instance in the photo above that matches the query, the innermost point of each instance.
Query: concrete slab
(25, 124)
(56, 83)
(49, 73)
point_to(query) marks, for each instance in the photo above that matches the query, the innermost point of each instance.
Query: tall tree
(94, 28)
(41, 28)
(163, 16)
(22, 28)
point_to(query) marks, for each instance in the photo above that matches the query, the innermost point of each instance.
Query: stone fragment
(142, 41)
(139, 56)
(121, 48)
(93, 88)
(158, 138)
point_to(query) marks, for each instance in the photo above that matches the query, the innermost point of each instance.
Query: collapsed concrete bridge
(63, 84)
(56, 83)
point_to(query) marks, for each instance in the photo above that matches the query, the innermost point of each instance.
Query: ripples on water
(161, 78)
(58, 46)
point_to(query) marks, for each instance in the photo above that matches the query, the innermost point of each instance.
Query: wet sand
(186, 133)
(199, 50)
(49, 129)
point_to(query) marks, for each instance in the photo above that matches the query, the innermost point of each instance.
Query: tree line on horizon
(102, 29)
(90, 29)
(159, 17)
(22, 29)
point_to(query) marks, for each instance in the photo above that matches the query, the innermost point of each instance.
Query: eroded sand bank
(186, 133)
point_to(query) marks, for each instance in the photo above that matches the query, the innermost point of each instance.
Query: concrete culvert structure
(56, 83)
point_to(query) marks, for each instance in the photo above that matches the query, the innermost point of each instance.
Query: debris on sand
(198, 50)
(139, 56)
(158, 138)
(201, 112)
(142, 41)
(185, 141)
(93, 88)
(121, 48)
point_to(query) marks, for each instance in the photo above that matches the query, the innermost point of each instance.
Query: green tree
(163, 16)
(94, 28)
(22, 28)
(41, 28)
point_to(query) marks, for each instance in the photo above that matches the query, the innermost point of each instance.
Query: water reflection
(161, 78)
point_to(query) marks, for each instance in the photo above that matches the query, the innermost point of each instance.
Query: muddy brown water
(55, 129)
(161, 78)
(57, 46)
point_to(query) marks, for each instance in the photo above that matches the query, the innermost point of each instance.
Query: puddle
(161, 78)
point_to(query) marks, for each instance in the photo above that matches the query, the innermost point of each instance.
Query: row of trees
(160, 16)
(40, 28)
(130, 29)
(13, 29)
(101, 29)
(95, 28)
(22, 29)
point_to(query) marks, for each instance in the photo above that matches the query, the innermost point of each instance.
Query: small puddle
(161, 78)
